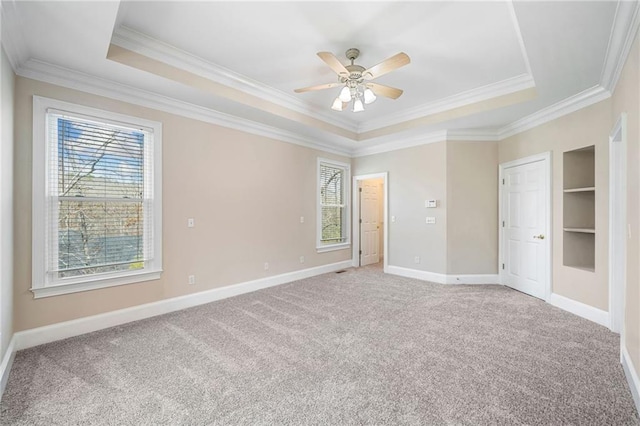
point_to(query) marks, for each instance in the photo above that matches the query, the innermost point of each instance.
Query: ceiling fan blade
(380, 90)
(333, 62)
(386, 66)
(318, 87)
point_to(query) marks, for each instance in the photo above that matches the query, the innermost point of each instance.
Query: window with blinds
(333, 203)
(100, 199)
(97, 182)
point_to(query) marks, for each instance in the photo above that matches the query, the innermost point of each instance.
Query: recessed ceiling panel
(454, 46)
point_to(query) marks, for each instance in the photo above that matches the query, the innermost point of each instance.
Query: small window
(97, 205)
(333, 205)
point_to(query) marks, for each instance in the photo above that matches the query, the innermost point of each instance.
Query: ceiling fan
(356, 80)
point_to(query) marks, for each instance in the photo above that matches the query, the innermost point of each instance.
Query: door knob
(540, 237)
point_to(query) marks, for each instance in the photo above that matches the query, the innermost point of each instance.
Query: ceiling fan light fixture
(337, 105)
(369, 96)
(345, 94)
(357, 105)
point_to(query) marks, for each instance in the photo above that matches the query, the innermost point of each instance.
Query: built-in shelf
(586, 189)
(583, 230)
(579, 208)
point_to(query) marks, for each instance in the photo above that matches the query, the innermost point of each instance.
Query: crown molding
(566, 106)
(623, 33)
(147, 46)
(12, 40)
(483, 93)
(439, 136)
(516, 27)
(71, 79)
(473, 135)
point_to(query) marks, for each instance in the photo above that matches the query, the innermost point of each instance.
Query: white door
(370, 222)
(525, 197)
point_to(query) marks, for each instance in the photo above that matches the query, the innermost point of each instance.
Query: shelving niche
(579, 208)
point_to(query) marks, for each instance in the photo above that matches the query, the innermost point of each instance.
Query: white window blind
(97, 201)
(333, 223)
(100, 199)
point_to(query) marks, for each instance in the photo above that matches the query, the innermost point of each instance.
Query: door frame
(617, 221)
(545, 157)
(356, 216)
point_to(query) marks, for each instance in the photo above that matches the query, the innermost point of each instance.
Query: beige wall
(626, 98)
(6, 202)
(415, 175)
(588, 126)
(472, 212)
(246, 193)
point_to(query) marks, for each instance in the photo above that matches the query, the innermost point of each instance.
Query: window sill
(333, 247)
(94, 284)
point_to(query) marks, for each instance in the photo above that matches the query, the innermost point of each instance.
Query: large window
(96, 207)
(333, 205)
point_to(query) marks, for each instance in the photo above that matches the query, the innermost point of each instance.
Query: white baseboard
(632, 375)
(473, 279)
(51, 333)
(443, 278)
(585, 311)
(7, 362)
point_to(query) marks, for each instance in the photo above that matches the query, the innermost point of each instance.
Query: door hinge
(503, 181)
(503, 223)
(360, 220)
(360, 189)
(503, 266)
(360, 252)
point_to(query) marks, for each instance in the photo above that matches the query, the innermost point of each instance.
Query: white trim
(93, 284)
(631, 374)
(545, 157)
(566, 106)
(12, 40)
(473, 135)
(580, 309)
(479, 94)
(321, 248)
(385, 214)
(75, 80)
(7, 363)
(51, 333)
(368, 149)
(617, 222)
(516, 27)
(473, 279)
(434, 277)
(43, 283)
(148, 46)
(623, 33)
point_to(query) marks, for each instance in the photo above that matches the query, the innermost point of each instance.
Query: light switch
(431, 220)
(393, 219)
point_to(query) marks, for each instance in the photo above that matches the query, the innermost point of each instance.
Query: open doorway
(370, 231)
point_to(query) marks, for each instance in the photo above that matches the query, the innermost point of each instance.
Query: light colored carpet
(354, 348)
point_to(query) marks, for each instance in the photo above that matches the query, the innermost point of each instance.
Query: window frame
(320, 247)
(43, 284)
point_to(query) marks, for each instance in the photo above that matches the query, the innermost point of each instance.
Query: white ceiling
(461, 53)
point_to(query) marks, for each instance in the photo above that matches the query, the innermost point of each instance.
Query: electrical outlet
(301, 259)
(431, 220)
(192, 279)
(393, 219)
(301, 219)
(191, 223)
(266, 266)
(416, 259)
